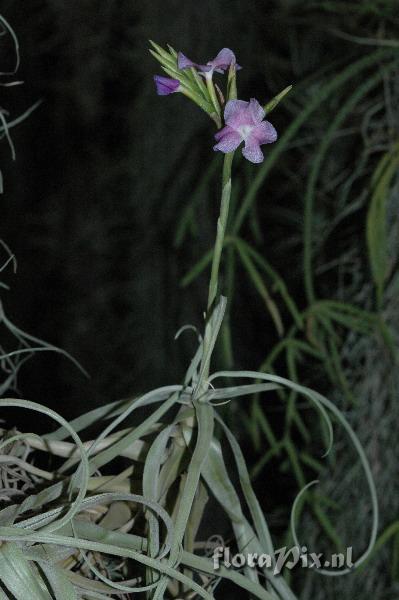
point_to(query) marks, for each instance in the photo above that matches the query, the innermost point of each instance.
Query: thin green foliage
(376, 229)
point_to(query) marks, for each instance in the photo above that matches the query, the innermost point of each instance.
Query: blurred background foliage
(110, 209)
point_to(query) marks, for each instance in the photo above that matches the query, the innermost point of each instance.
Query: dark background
(105, 170)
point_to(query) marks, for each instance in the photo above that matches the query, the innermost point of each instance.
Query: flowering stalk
(221, 228)
(244, 122)
(221, 223)
(217, 254)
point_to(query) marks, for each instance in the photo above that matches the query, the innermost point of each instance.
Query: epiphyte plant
(243, 122)
(81, 534)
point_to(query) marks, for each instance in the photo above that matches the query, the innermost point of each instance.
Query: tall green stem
(221, 229)
(217, 254)
(203, 410)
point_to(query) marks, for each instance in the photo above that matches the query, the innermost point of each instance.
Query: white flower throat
(245, 131)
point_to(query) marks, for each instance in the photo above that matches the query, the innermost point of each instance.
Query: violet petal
(220, 63)
(228, 140)
(233, 108)
(256, 111)
(166, 85)
(183, 62)
(265, 133)
(223, 60)
(252, 151)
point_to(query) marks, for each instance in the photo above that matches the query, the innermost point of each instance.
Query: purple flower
(166, 85)
(244, 123)
(220, 63)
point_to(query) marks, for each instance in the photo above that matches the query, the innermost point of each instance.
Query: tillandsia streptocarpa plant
(73, 532)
